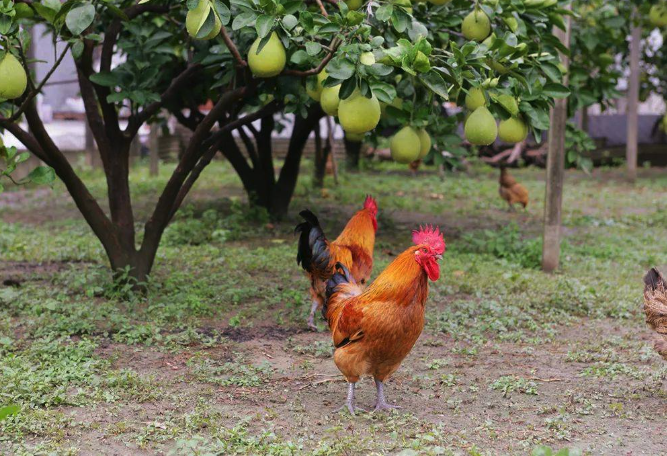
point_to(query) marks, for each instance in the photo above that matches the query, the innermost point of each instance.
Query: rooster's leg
(311, 317)
(381, 403)
(349, 402)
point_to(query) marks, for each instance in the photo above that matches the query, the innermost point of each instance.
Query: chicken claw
(381, 403)
(311, 317)
(349, 402)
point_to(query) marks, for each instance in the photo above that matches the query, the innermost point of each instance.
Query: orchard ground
(216, 359)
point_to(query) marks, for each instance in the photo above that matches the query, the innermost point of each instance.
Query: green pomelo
(271, 59)
(195, 20)
(475, 98)
(13, 79)
(405, 145)
(476, 26)
(329, 100)
(480, 128)
(512, 130)
(316, 92)
(358, 114)
(425, 142)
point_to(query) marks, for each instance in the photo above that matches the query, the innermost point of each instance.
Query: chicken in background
(352, 248)
(512, 191)
(374, 330)
(655, 308)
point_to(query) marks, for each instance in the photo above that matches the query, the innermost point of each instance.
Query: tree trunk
(555, 171)
(352, 154)
(633, 104)
(321, 159)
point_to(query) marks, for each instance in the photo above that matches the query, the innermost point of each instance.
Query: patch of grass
(510, 383)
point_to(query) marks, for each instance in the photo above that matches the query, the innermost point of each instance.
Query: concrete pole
(633, 105)
(555, 170)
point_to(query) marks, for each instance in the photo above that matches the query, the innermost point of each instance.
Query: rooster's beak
(438, 257)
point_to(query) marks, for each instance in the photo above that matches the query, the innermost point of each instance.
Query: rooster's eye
(424, 250)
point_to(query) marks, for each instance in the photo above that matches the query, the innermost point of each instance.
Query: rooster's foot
(349, 402)
(385, 406)
(311, 317)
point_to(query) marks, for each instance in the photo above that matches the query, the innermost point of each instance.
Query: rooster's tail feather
(339, 287)
(313, 253)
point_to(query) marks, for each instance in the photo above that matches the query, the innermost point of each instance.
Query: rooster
(353, 248)
(655, 308)
(512, 191)
(374, 330)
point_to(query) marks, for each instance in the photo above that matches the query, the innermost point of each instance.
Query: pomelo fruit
(358, 114)
(316, 93)
(405, 145)
(512, 130)
(354, 4)
(196, 18)
(480, 128)
(271, 59)
(658, 15)
(476, 26)
(509, 103)
(13, 79)
(329, 100)
(475, 98)
(355, 137)
(424, 141)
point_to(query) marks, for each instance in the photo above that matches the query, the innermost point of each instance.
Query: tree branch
(335, 43)
(33, 93)
(137, 120)
(232, 48)
(270, 108)
(112, 32)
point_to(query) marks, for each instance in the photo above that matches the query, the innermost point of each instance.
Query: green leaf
(384, 12)
(313, 48)
(193, 4)
(8, 410)
(264, 24)
(556, 90)
(80, 18)
(341, 69)
(328, 29)
(434, 81)
(42, 175)
(105, 79)
(223, 12)
(551, 71)
(243, 20)
(347, 88)
(289, 22)
(299, 57)
(207, 27)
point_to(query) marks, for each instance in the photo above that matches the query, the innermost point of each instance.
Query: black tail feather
(341, 276)
(313, 251)
(653, 279)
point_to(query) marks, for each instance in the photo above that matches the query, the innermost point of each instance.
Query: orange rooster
(374, 330)
(353, 248)
(512, 191)
(655, 308)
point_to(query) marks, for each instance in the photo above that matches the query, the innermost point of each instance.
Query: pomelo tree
(255, 62)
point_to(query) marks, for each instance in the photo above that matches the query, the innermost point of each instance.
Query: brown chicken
(374, 330)
(512, 191)
(352, 248)
(655, 308)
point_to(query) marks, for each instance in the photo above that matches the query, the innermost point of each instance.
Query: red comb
(430, 236)
(371, 204)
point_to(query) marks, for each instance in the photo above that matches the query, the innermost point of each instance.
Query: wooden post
(633, 104)
(154, 158)
(555, 170)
